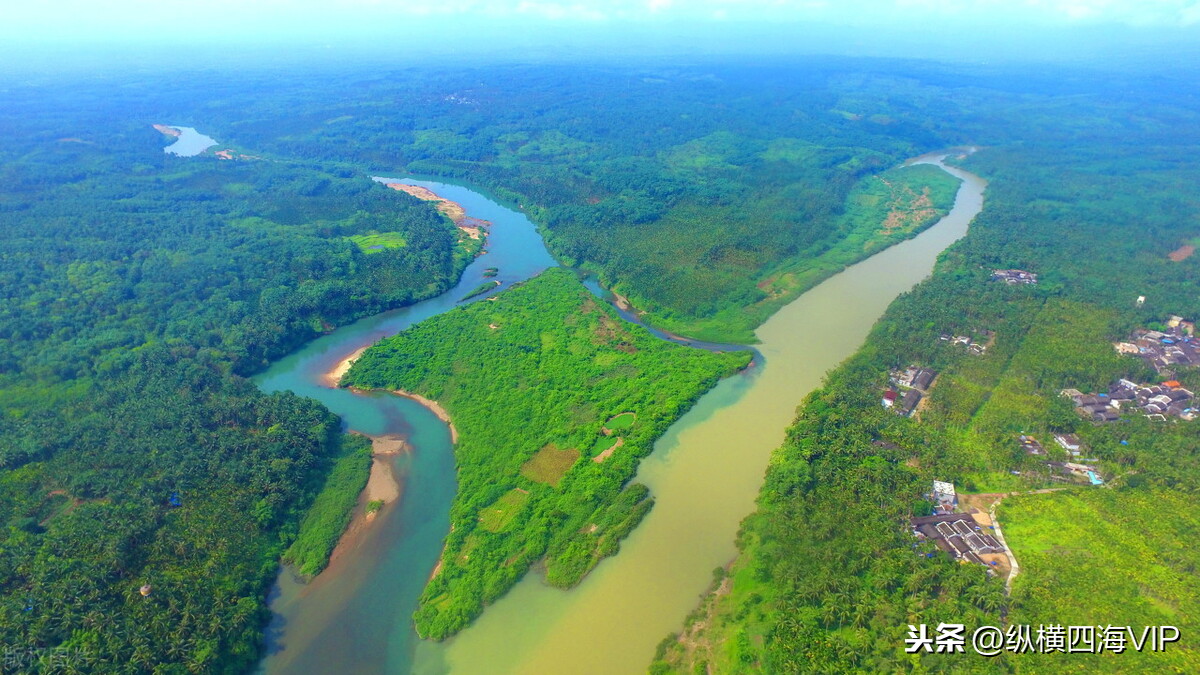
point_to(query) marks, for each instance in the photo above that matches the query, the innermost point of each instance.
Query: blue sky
(937, 28)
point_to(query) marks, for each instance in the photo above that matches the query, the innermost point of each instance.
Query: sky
(980, 29)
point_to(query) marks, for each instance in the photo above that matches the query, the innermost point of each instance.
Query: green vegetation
(880, 211)
(374, 505)
(525, 491)
(731, 173)
(550, 464)
(828, 577)
(1101, 557)
(331, 511)
(620, 422)
(479, 290)
(374, 242)
(602, 444)
(137, 290)
(498, 516)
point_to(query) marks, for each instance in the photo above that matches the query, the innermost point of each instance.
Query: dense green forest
(556, 400)
(691, 190)
(136, 289)
(828, 577)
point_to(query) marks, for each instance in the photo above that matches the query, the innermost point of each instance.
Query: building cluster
(1075, 472)
(1176, 347)
(969, 343)
(1156, 401)
(1014, 276)
(909, 386)
(962, 536)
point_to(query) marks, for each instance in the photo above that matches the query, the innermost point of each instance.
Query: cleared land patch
(1182, 253)
(496, 517)
(378, 241)
(550, 464)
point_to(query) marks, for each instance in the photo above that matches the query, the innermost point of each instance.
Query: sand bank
(435, 407)
(453, 210)
(472, 227)
(382, 485)
(331, 378)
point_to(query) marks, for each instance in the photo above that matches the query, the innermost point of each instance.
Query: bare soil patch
(1182, 253)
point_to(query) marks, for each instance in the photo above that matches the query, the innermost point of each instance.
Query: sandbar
(472, 227)
(435, 407)
(331, 378)
(382, 485)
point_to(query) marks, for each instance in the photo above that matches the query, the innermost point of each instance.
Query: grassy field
(496, 517)
(620, 422)
(550, 464)
(378, 241)
(604, 443)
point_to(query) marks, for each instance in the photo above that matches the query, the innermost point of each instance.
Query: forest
(733, 176)
(556, 399)
(148, 489)
(828, 576)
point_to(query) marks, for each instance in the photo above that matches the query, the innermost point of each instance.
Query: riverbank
(452, 210)
(334, 375)
(435, 407)
(471, 227)
(383, 485)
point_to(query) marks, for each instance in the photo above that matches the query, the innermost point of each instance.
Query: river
(189, 143)
(704, 473)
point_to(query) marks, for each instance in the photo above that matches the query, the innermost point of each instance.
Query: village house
(1075, 472)
(943, 496)
(1163, 351)
(959, 535)
(968, 342)
(915, 383)
(1157, 401)
(1014, 276)
(1031, 445)
(1070, 443)
(889, 398)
